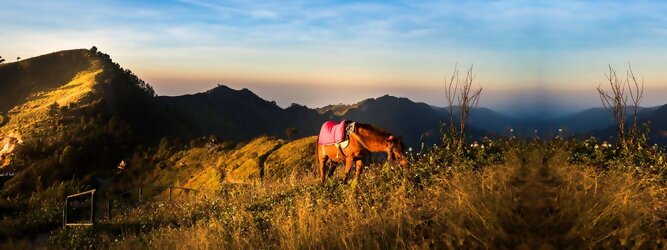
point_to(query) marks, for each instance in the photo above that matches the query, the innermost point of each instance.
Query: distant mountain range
(578, 123)
(79, 106)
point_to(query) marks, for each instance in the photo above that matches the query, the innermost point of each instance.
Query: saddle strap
(339, 151)
(356, 137)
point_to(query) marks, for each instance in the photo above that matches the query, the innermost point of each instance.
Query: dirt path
(536, 223)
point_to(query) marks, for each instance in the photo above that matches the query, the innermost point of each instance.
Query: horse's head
(396, 150)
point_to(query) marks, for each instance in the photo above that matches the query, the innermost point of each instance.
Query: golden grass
(34, 111)
(31, 118)
(293, 160)
(203, 168)
(244, 165)
(532, 202)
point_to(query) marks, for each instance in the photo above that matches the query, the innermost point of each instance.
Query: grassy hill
(32, 92)
(78, 113)
(36, 76)
(264, 158)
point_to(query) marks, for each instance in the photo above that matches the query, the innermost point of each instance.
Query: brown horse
(364, 139)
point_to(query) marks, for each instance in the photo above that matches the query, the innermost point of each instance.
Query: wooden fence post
(65, 212)
(92, 207)
(109, 207)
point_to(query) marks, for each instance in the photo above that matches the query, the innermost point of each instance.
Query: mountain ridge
(96, 112)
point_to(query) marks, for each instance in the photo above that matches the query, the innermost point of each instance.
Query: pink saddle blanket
(332, 132)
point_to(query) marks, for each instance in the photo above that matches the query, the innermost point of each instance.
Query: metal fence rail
(92, 209)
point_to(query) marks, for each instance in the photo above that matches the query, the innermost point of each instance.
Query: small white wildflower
(410, 149)
(596, 146)
(560, 130)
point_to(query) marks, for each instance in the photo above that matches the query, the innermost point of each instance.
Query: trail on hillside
(536, 223)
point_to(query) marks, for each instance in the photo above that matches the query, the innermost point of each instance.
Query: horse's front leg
(360, 168)
(348, 166)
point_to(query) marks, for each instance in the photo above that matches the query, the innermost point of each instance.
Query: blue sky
(530, 56)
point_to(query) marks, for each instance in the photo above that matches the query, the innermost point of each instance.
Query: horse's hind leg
(332, 168)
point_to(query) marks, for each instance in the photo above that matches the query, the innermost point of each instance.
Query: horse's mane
(373, 128)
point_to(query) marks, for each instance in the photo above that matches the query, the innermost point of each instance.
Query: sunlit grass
(534, 198)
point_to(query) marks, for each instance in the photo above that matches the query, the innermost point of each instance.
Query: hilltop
(77, 112)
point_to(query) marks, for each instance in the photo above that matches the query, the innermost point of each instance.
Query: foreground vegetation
(496, 194)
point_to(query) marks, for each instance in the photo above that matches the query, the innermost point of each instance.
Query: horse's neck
(373, 140)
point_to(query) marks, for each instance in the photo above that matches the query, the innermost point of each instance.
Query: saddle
(335, 133)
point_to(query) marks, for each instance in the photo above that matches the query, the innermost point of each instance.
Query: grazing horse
(363, 138)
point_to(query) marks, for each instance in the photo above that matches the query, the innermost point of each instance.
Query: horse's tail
(317, 156)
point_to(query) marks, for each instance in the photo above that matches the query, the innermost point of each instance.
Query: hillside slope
(76, 120)
(264, 158)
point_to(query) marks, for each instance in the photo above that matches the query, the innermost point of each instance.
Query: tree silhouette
(2, 59)
(291, 132)
(460, 91)
(93, 49)
(616, 101)
(18, 58)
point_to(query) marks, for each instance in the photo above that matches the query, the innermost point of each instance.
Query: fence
(91, 221)
(110, 202)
